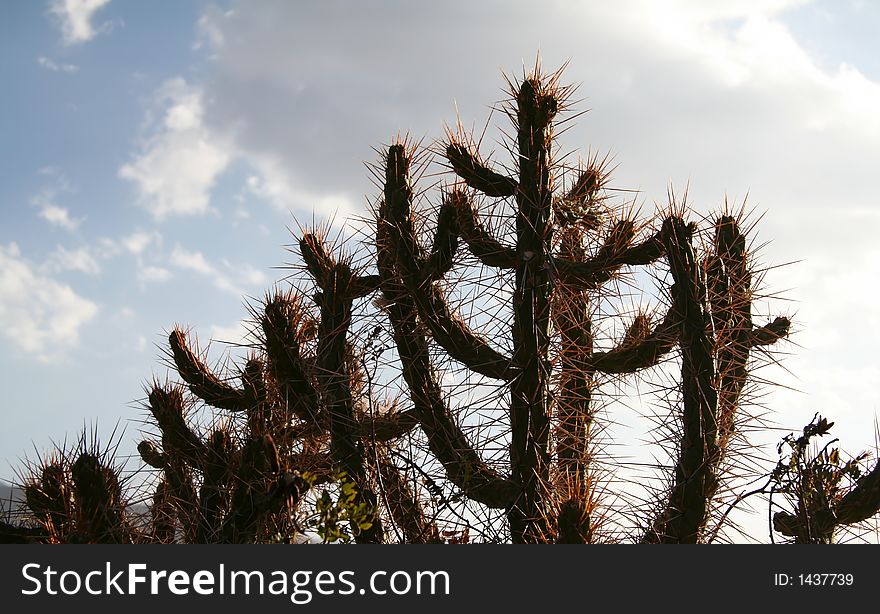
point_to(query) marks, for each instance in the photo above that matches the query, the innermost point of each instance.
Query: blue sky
(153, 155)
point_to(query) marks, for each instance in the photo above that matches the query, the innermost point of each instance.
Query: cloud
(46, 200)
(59, 216)
(75, 19)
(52, 66)
(278, 187)
(80, 260)
(177, 166)
(207, 32)
(38, 314)
(138, 241)
(153, 274)
(229, 280)
(700, 85)
(192, 261)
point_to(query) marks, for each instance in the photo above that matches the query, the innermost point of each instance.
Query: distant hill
(11, 498)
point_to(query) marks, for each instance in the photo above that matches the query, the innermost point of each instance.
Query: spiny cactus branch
(282, 326)
(449, 332)
(202, 382)
(462, 464)
(477, 175)
(166, 405)
(592, 273)
(439, 262)
(404, 505)
(479, 240)
(630, 357)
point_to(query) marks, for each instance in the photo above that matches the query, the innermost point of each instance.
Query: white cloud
(153, 274)
(277, 186)
(75, 19)
(230, 278)
(80, 260)
(247, 274)
(49, 64)
(139, 240)
(46, 200)
(177, 166)
(59, 216)
(192, 261)
(38, 314)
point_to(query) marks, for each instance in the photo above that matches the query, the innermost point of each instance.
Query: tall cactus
(554, 287)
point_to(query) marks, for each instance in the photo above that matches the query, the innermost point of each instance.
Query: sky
(154, 155)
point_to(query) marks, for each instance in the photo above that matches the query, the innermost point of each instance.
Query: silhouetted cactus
(77, 496)
(556, 282)
(304, 409)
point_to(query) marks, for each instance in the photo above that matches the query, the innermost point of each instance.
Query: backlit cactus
(240, 455)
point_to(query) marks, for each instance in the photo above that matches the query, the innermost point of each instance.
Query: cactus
(77, 495)
(555, 284)
(304, 409)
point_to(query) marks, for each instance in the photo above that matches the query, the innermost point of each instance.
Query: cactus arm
(573, 523)
(363, 285)
(647, 352)
(859, 504)
(202, 382)
(592, 273)
(259, 465)
(479, 240)
(166, 405)
(386, 428)
(282, 342)
(863, 501)
(462, 464)
(447, 442)
(404, 505)
(217, 483)
(476, 174)
(571, 315)
(449, 332)
(770, 333)
(729, 292)
(98, 502)
(183, 451)
(439, 262)
(179, 478)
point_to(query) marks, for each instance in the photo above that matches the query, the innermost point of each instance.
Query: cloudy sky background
(152, 155)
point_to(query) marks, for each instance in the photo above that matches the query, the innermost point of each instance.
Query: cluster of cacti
(303, 423)
(76, 495)
(304, 408)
